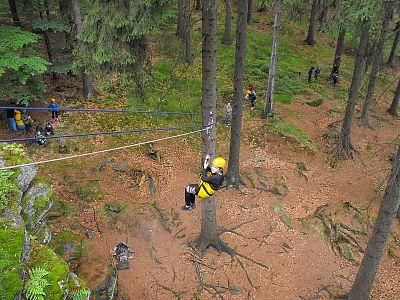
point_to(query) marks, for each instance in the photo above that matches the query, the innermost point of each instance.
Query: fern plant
(82, 294)
(34, 289)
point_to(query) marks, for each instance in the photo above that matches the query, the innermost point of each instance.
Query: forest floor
(300, 216)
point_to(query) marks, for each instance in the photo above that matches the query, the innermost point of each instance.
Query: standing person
(17, 116)
(252, 97)
(10, 117)
(251, 87)
(211, 180)
(28, 121)
(228, 114)
(310, 72)
(316, 72)
(54, 110)
(335, 77)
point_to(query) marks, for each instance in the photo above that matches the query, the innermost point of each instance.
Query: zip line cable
(103, 151)
(106, 110)
(100, 133)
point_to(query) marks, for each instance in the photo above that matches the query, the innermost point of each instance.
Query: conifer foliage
(19, 65)
(116, 35)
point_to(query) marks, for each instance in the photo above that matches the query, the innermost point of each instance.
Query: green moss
(284, 98)
(10, 251)
(277, 125)
(43, 256)
(89, 192)
(62, 238)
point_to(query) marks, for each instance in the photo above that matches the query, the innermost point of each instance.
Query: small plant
(34, 289)
(82, 294)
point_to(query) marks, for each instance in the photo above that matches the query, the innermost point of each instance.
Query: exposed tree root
(199, 249)
(177, 294)
(163, 217)
(337, 232)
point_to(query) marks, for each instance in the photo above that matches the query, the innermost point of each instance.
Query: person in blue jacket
(54, 110)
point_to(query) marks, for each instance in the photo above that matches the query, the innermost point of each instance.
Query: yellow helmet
(53, 100)
(219, 162)
(248, 92)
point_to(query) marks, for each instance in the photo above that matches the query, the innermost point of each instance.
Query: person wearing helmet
(54, 110)
(210, 181)
(251, 95)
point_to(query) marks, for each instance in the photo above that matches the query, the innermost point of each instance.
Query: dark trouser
(54, 114)
(252, 99)
(309, 78)
(190, 193)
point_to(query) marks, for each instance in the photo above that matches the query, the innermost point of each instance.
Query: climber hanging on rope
(210, 181)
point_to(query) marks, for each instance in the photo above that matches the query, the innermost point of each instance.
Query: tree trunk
(345, 147)
(323, 7)
(88, 87)
(376, 244)
(65, 12)
(395, 45)
(339, 50)
(180, 29)
(250, 11)
(47, 43)
(188, 48)
(310, 40)
(14, 12)
(228, 23)
(395, 103)
(198, 5)
(269, 96)
(376, 63)
(233, 173)
(209, 235)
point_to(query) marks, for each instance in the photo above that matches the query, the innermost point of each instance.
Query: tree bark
(394, 46)
(269, 95)
(14, 12)
(48, 45)
(188, 48)
(233, 174)
(323, 7)
(345, 146)
(376, 63)
(198, 5)
(65, 8)
(180, 29)
(310, 40)
(376, 244)
(228, 23)
(209, 235)
(395, 103)
(88, 87)
(339, 51)
(250, 11)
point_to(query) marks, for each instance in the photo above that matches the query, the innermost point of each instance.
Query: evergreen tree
(88, 87)
(395, 45)
(233, 175)
(115, 33)
(20, 66)
(395, 103)
(269, 96)
(377, 243)
(228, 23)
(14, 12)
(376, 63)
(310, 40)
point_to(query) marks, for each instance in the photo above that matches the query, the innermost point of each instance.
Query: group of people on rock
(19, 119)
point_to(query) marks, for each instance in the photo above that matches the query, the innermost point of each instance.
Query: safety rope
(100, 133)
(105, 110)
(102, 151)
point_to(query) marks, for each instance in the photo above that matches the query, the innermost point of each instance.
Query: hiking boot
(187, 207)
